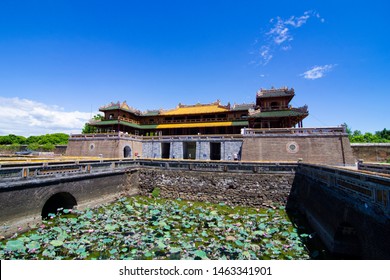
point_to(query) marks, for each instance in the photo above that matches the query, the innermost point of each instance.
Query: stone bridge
(348, 209)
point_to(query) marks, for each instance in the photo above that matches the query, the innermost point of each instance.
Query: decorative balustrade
(365, 189)
(245, 132)
(301, 130)
(14, 172)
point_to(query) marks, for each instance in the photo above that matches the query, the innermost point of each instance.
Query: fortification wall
(374, 152)
(325, 149)
(104, 147)
(228, 148)
(249, 189)
(326, 146)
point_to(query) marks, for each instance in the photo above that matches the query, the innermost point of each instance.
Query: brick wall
(326, 149)
(374, 152)
(107, 148)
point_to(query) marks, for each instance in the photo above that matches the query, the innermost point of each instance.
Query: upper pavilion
(271, 110)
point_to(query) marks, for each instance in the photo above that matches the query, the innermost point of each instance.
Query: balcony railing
(312, 130)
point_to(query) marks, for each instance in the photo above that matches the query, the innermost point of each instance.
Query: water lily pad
(175, 250)
(110, 227)
(56, 243)
(35, 237)
(201, 254)
(15, 245)
(33, 245)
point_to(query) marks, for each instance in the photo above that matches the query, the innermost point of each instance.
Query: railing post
(25, 172)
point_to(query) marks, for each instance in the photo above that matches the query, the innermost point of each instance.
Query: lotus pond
(155, 228)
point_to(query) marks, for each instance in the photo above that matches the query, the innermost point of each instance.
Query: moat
(153, 228)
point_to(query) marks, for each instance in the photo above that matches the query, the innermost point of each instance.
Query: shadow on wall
(127, 152)
(346, 243)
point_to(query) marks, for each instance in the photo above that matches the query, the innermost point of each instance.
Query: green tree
(357, 136)
(12, 139)
(48, 147)
(89, 128)
(384, 134)
(33, 146)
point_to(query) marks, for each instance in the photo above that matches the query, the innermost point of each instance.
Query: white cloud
(280, 35)
(265, 54)
(27, 117)
(317, 72)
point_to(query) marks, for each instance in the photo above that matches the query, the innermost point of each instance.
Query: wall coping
(370, 144)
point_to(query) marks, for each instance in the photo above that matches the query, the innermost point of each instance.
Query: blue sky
(61, 60)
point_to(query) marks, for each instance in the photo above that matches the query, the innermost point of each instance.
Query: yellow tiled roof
(189, 125)
(195, 109)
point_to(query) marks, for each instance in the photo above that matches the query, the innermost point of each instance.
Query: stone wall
(153, 149)
(345, 209)
(325, 149)
(373, 152)
(232, 188)
(103, 147)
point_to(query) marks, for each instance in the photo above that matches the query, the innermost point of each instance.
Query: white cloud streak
(27, 117)
(280, 35)
(317, 72)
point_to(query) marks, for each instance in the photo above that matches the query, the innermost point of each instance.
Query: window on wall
(275, 105)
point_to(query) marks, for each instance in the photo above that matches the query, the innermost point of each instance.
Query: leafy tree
(357, 133)
(12, 139)
(91, 129)
(385, 134)
(55, 139)
(48, 147)
(378, 137)
(33, 146)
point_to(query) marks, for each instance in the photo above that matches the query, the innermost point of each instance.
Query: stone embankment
(232, 188)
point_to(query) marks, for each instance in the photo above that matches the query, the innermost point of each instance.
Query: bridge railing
(54, 169)
(34, 170)
(374, 167)
(369, 189)
(219, 166)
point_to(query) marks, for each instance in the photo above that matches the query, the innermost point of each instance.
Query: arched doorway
(59, 200)
(127, 152)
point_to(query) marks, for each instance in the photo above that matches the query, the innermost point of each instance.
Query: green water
(154, 228)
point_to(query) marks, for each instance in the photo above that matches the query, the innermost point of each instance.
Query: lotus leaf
(163, 229)
(33, 245)
(56, 243)
(110, 227)
(15, 245)
(201, 254)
